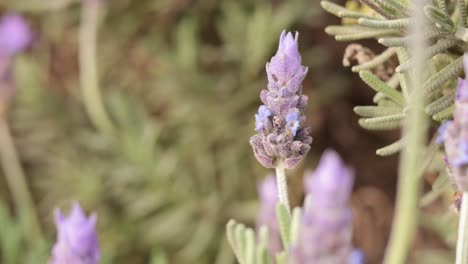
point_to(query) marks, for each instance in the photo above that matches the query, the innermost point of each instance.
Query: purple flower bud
(15, 35)
(283, 139)
(326, 227)
(77, 241)
(267, 212)
(455, 136)
(262, 118)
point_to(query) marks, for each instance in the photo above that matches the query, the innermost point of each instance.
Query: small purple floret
(262, 118)
(292, 122)
(77, 241)
(15, 35)
(455, 136)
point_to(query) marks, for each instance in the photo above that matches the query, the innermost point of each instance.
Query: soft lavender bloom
(261, 119)
(456, 136)
(283, 139)
(15, 35)
(441, 132)
(267, 212)
(326, 228)
(77, 241)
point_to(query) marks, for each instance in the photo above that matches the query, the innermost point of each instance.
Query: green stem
(462, 243)
(88, 68)
(282, 184)
(17, 184)
(415, 129)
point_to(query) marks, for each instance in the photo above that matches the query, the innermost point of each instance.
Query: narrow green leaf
(347, 29)
(393, 24)
(461, 6)
(437, 48)
(368, 34)
(393, 42)
(240, 241)
(442, 103)
(438, 17)
(231, 237)
(378, 85)
(390, 149)
(284, 220)
(444, 115)
(382, 123)
(376, 111)
(340, 11)
(449, 72)
(295, 225)
(250, 247)
(376, 61)
(262, 256)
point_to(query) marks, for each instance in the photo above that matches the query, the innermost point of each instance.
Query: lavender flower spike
(77, 241)
(326, 227)
(267, 213)
(455, 136)
(282, 137)
(15, 35)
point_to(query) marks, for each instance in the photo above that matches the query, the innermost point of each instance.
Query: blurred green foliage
(181, 81)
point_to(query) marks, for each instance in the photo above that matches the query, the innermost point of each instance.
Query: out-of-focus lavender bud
(455, 136)
(15, 35)
(268, 193)
(77, 241)
(282, 137)
(326, 227)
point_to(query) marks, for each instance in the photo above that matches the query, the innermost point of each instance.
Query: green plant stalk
(282, 184)
(89, 82)
(462, 241)
(415, 129)
(17, 184)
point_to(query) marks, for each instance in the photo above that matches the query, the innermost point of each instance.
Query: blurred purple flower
(455, 136)
(326, 227)
(77, 241)
(15, 35)
(283, 139)
(268, 193)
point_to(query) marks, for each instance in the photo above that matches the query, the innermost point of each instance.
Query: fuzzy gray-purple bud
(326, 227)
(282, 136)
(455, 136)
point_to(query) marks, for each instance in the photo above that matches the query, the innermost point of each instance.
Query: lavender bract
(455, 136)
(77, 241)
(267, 212)
(326, 227)
(282, 137)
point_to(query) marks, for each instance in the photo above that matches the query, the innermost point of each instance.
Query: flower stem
(17, 184)
(414, 130)
(88, 68)
(462, 241)
(282, 187)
